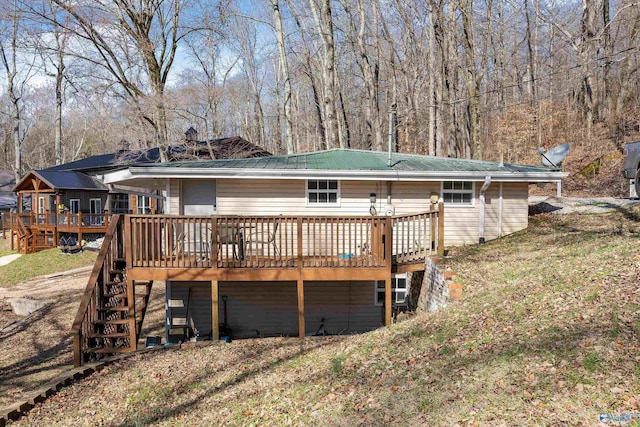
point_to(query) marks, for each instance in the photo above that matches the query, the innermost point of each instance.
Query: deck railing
(170, 241)
(417, 236)
(162, 241)
(51, 219)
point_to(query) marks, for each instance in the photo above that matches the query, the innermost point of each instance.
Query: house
(290, 245)
(7, 199)
(72, 199)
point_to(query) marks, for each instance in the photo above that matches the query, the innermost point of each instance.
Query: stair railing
(24, 235)
(111, 250)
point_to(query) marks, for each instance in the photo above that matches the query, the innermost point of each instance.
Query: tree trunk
(284, 68)
(324, 21)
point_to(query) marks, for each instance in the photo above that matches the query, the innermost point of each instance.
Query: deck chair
(262, 238)
(228, 234)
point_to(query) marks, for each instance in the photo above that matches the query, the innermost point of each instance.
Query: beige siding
(173, 197)
(257, 309)
(460, 222)
(268, 308)
(274, 197)
(515, 207)
(347, 307)
(189, 304)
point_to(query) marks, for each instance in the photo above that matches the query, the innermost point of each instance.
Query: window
(119, 203)
(398, 288)
(95, 209)
(322, 192)
(458, 193)
(143, 205)
(41, 205)
(74, 206)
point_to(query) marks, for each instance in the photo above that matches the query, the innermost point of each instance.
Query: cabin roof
(222, 148)
(60, 180)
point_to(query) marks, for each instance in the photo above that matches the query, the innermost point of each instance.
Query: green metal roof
(354, 160)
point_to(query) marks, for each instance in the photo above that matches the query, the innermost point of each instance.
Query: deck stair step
(111, 335)
(112, 322)
(108, 350)
(120, 295)
(115, 308)
(115, 282)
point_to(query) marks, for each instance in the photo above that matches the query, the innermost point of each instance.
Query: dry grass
(41, 263)
(547, 333)
(41, 348)
(5, 247)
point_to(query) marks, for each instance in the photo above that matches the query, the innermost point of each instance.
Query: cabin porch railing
(68, 220)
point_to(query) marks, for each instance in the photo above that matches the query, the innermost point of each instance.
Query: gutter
(360, 175)
(483, 189)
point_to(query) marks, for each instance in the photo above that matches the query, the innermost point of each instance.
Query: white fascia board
(117, 176)
(496, 176)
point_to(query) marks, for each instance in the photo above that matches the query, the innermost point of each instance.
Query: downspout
(483, 189)
(500, 212)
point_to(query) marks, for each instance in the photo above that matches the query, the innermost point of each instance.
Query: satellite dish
(555, 156)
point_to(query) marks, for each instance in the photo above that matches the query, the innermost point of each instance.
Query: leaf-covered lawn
(44, 262)
(547, 333)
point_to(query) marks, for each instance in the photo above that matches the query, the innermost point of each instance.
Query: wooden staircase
(26, 239)
(43, 239)
(112, 309)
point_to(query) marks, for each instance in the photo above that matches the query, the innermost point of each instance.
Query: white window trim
(379, 287)
(459, 205)
(71, 204)
(90, 203)
(317, 204)
(147, 206)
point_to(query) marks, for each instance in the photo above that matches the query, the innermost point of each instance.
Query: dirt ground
(569, 205)
(40, 347)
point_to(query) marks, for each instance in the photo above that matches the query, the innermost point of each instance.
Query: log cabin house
(71, 199)
(289, 245)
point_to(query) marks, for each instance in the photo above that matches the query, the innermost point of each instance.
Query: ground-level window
(143, 205)
(457, 193)
(323, 192)
(399, 290)
(74, 206)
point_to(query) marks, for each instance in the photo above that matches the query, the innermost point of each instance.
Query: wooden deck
(31, 232)
(139, 249)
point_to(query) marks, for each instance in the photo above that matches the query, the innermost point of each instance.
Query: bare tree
(284, 69)
(323, 17)
(17, 75)
(122, 32)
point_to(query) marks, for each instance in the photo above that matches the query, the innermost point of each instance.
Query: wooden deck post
(441, 228)
(215, 309)
(388, 255)
(300, 284)
(131, 301)
(301, 326)
(128, 248)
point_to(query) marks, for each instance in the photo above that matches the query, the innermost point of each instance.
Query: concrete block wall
(438, 286)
